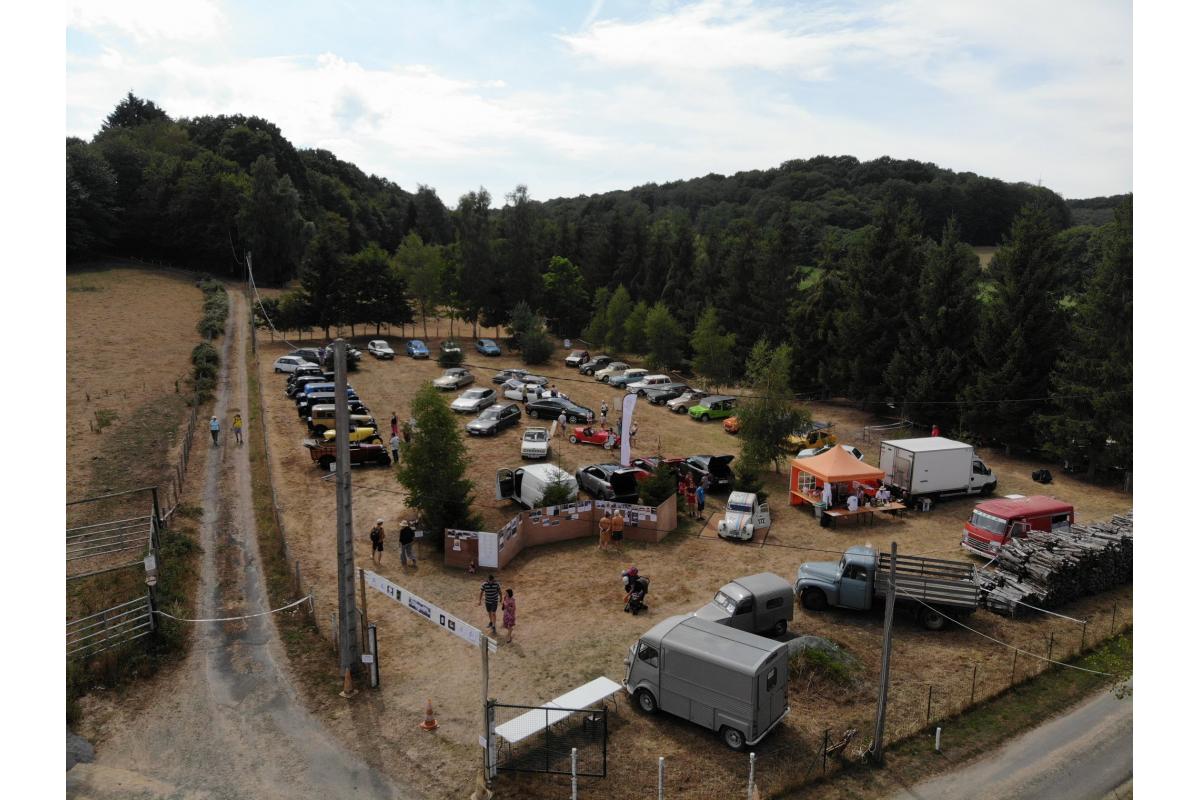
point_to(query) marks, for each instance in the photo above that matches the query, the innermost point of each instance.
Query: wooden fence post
(929, 704)
(1012, 677)
(1050, 650)
(974, 673)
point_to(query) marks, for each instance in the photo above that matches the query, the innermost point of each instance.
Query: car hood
(824, 571)
(482, 424)
(713, 613)
(466, 402)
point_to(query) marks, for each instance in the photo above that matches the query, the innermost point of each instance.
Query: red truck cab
(994, 522)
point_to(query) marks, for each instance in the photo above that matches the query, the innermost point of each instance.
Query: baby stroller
(636, 587)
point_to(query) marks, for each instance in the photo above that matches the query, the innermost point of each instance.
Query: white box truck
(732, 682)
(933, 466)
(526, 485)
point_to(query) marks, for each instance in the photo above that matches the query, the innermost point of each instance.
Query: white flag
(627, 406)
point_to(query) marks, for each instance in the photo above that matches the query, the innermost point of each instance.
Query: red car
(589, 435)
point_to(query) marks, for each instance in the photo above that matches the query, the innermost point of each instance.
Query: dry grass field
(570, 626)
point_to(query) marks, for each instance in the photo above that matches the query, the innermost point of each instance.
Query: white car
(647, 382)
(454, 378)
(291, 363)
(473, 400)
(380, 349)
(517, 389)
(816, 451)
(535, 443)
(615, 368)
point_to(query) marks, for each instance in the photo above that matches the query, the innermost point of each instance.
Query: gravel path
(228, 723)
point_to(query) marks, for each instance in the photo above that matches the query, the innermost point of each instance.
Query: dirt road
(1084, 754)
(228, 723)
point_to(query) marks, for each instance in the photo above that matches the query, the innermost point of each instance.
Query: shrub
(536, 346)
(661, 484)
(205, 353)
(557, 493)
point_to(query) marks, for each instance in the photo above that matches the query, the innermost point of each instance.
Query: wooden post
(1112, 629)
(824, 750)
(881, 709)
(487, 733)
(929, 704)
(362, 596)
(974, 673)
(1083, 638)
(1012, 678)
(297, 586)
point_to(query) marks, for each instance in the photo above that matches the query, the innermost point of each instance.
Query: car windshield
(417, 343)
(475, 394)
(535, 436)
(490, 413)
(743, 508)
(487, 343)
(987, 522)
(725, 602)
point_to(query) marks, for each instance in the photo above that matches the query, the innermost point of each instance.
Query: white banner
(489, 550)
(424, 608)
(627, 406)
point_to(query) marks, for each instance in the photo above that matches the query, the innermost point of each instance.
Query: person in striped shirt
(489, 596)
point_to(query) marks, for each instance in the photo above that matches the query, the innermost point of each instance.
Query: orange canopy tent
(835, 465)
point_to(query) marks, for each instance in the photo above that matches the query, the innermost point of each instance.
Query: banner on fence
(424, 608)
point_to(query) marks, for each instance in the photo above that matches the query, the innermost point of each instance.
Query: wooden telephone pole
(881, 708)
(348, 644)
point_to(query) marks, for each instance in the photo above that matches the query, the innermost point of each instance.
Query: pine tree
(564, 297)
(664, 338)
(767, 418)
(596, 331)
(931, 366)
(1093, 381)
(619, 306)
(713, 349)
(1020, 333)
(635, 329)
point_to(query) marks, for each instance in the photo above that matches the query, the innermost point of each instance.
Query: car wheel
(814, 600)
(704, 417)
(932, 620)
(573, 439)
(646, 701)
(780, 628)
(604, 379)
(733, 738)
(533, 413)
(641, 393)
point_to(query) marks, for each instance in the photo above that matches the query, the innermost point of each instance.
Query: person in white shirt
(852, 502)
(883, 495)
(827, 495)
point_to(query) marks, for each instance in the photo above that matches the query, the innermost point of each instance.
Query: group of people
(491, 597)
(612, 530)
(399, 430)
(832, 496)
(408, 536)
(214, 428)
(694, 494)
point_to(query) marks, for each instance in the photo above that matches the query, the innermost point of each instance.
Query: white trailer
(933, 466)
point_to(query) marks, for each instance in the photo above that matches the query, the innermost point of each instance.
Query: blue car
(417, 349)
(487, 346)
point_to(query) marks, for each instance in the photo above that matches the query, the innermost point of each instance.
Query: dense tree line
(863, 271)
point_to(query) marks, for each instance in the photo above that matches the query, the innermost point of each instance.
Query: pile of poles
(1047, 569)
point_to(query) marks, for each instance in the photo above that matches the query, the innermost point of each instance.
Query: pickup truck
(933, 587)
(324, 454)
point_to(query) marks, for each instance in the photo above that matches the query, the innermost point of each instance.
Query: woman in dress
(509, 604)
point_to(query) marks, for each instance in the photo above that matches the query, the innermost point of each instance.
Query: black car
(551, 407)
(303, 402)
(659, 395)
(599, 362)
(716, 467)
(505, 374)
(494, 419)
(609, 482)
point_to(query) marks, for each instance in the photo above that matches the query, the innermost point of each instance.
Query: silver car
(454, 378)
(473, 400)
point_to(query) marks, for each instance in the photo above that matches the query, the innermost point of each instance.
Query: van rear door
(505, 484)
(772, 693)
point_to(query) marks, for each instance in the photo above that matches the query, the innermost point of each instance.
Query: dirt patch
(570, 626)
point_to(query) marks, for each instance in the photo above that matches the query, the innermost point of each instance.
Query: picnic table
(866, 512)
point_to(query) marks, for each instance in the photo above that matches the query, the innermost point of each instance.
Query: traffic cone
(430, 723)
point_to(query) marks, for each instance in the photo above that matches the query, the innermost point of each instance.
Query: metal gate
(540, 739)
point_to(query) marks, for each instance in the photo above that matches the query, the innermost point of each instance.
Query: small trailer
(934, 588)
(762, 604)
(729, 681)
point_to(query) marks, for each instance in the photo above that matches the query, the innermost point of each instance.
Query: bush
(205, 353)
(746, 479)
(661, 484)
(558, 493)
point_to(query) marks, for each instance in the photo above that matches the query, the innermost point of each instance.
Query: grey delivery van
(762, 603)
(727, 680)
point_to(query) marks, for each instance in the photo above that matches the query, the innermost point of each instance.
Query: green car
(715, 406)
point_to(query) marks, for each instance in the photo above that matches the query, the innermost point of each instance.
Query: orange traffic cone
(430, 723)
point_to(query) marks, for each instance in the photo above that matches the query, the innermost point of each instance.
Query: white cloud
(149, 20)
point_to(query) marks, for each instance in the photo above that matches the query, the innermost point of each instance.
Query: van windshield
(725, 602)
(987, 522)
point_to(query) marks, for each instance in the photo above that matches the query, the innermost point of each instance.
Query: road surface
(228, 723)
(1084, 754)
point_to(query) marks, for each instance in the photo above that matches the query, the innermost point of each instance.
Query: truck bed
(935, 581)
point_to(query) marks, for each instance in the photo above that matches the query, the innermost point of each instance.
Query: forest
(863, 272)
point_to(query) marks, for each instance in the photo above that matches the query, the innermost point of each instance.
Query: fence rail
(105, 538)
(109, 628)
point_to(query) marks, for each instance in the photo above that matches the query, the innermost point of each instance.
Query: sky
(574, 98)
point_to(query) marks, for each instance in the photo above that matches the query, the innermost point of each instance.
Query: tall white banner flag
(627, 406)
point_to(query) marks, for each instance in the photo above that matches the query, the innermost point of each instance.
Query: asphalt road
(1084, 754)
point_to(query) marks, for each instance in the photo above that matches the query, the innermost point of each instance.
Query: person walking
(935, 431)
(562, 424)
(489, 596)
(700, 493)
(214, 427)
(633, 429)
(395, 443)
(618, 530)
(605, 530)
(510, 613)
(377, 542)
(237, 427)
(407, 536)
(603, 413)
(395, 425)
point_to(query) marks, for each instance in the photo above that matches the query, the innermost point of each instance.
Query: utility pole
(349, 655)
(249, 297)
(881, 709)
